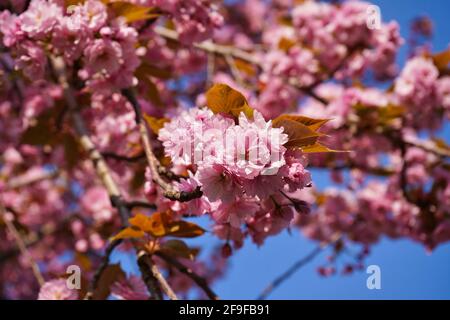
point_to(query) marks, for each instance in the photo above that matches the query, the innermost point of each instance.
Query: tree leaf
(72, 152)
(146, 69)
(152, 91)
(318, 148)
(221, 98)
(245, 67)
(111, 274)
(159, 224)
(42, 131)
(185, 229)
(299, 134)
(138, 179)
(129, 233)
(313, 124)
(132, 12)
(155, 124)
(141, 222)
(441, 60)
(69, 3)
(441, 144)
(179, 248)
(285, 44)
(391, 112)
(375, 115)
(162, 226)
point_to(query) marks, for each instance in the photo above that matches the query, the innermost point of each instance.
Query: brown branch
(148, 276)
(155, 167)
(98, 273)
(24, 180)
(21, 245)
(102, 169)
(139, 204)
(34, 238)
(209, 46)
(228, 51)
(118, 157)
(234, 70)
(427, 146)
(145, 260)
(201, 282)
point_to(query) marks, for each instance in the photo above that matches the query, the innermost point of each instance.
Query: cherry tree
(123, 122)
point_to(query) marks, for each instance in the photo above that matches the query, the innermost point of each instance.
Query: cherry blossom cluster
(321, 36)
(105, 47)
(242, 169)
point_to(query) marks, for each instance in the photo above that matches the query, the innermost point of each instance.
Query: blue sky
(407, 270)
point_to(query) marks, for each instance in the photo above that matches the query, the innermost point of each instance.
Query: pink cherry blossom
(56, 290)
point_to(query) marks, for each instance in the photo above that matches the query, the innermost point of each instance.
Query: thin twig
(427, 146)
(98, 273)
(25, 180)
(294, 268)
(102, 169)
(139, 204)
(228, 51)
(34, 238)
(21, 245)
(201, 282)
(209, 46)
(155, 167)
(234, 70)
(118, 157)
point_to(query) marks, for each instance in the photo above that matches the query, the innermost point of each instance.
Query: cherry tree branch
(210, 46)
(427, 146)
(139, 204)
(34, 238)
(229, 51)
(100, 165)
(156, 168)
(144, 260)
(102, 267)
(25, 181)
(21, 245)
(201, 282)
